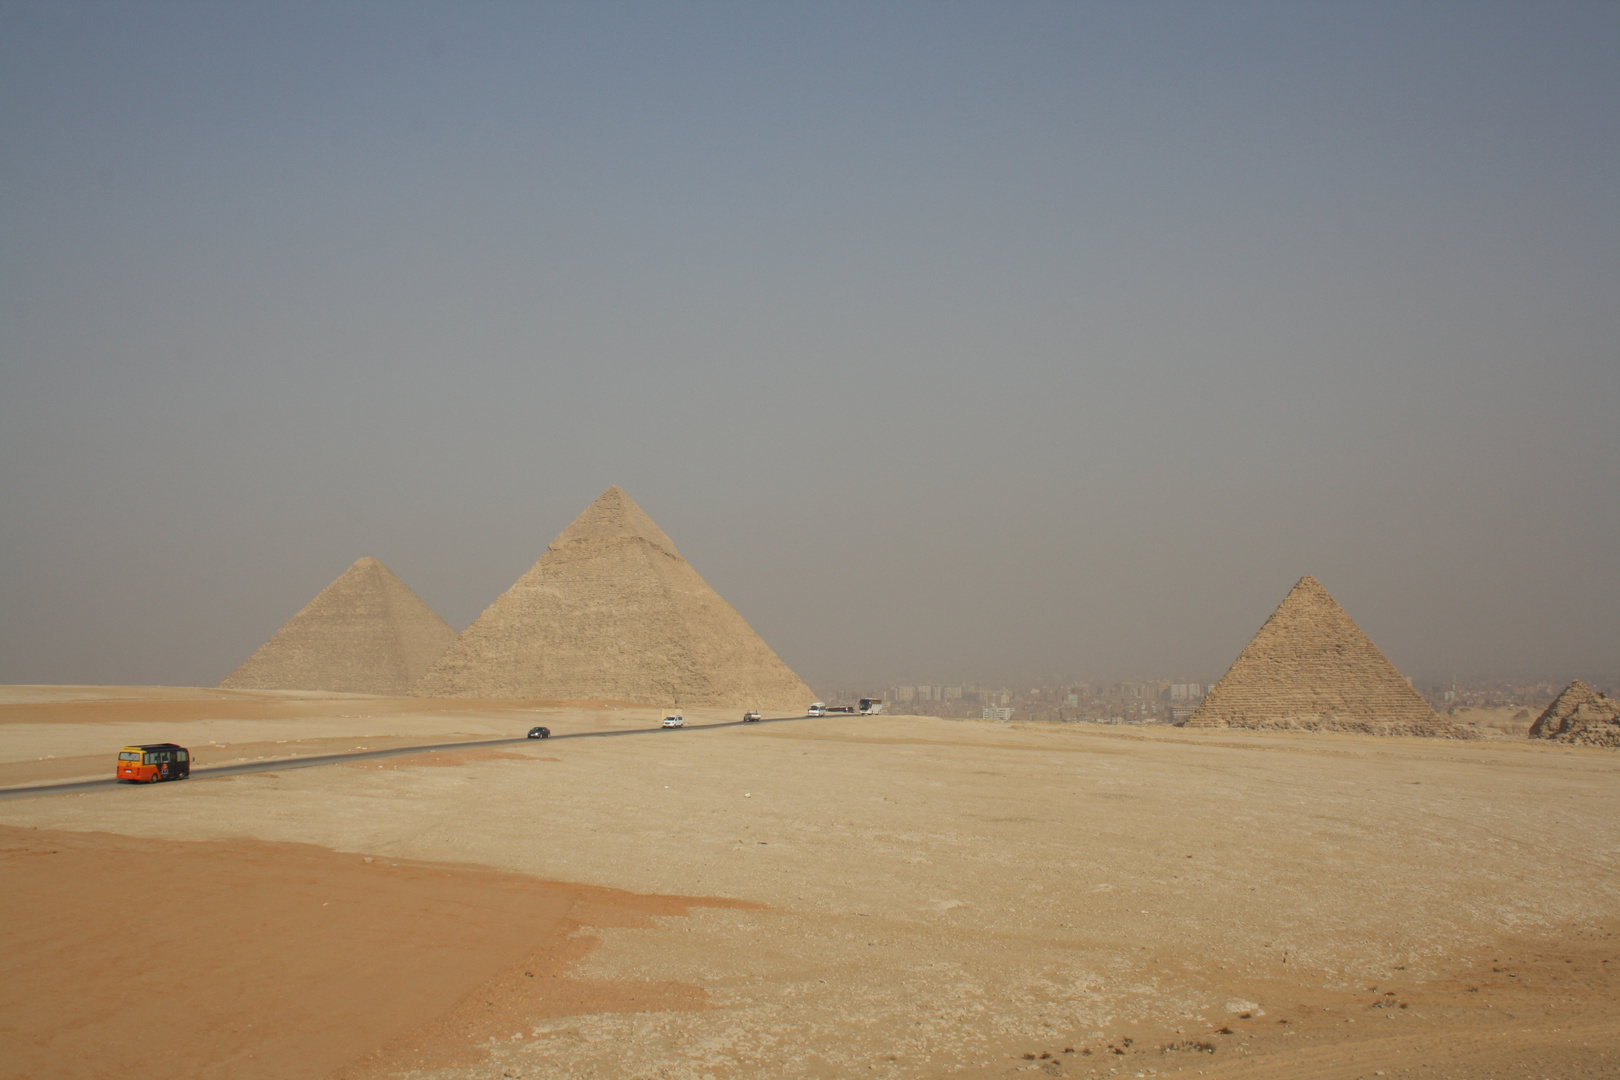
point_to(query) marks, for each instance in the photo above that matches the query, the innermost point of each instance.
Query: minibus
(153, 762)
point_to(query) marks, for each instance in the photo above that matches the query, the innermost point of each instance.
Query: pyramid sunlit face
(1310, 666)
(612, 611)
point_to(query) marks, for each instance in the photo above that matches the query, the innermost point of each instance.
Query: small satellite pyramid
(1580, 715)
(612, 611)
(1311, 668)
(366, 633)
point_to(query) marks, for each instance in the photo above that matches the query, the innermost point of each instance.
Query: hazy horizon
(969, 342)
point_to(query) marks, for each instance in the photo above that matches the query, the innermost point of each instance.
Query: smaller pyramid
(366, 633)
(1311, 668)
(1580, 715)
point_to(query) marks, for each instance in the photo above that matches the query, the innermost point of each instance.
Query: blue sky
(1001, 342)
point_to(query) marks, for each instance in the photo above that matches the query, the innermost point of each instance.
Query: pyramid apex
(1309, 593)
(615, 516)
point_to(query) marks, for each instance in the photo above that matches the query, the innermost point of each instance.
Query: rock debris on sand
(366, 633)
(612, 610)
(1580, 715)
(1312, 668)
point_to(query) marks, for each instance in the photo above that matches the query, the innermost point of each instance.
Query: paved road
(280, 764)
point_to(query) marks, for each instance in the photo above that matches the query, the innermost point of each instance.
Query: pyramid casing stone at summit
(612, 611)
(1580, 715)
(1311, 668)
(366, 633)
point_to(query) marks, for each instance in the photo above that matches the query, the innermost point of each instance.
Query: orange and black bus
(154, 762)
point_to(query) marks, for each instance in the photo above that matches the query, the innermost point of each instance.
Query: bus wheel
(155, 778)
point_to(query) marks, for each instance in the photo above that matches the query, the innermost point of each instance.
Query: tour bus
(153, 762)
(871, 706)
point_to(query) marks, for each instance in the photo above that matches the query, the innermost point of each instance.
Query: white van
(817, 708)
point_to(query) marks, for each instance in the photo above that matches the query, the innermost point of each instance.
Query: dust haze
(1002, 348)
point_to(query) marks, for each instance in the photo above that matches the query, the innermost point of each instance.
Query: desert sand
(884, 897)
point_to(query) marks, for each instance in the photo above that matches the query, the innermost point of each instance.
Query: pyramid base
(1432, 729)
(1587, 735)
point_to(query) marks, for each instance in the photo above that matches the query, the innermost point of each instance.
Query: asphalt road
(82, 787)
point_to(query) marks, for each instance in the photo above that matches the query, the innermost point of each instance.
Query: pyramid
(611, 610)
(1311, 668)
(1580, 715)
(366, 633)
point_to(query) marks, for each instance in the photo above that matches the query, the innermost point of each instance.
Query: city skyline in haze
(963, 341)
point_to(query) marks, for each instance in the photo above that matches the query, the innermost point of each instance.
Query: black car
(539, 733)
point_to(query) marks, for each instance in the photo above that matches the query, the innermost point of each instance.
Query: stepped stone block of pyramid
(366, 633)
(1580, 714)
(612, 610)
(1311, 668)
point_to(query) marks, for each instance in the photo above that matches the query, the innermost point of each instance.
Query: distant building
(1002, 714)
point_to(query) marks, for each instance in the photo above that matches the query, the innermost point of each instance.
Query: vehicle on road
(539, 733)
(153, 762)
(871, 706)
(841, 708)
(750, 717)
(817, 708)
(674, 720)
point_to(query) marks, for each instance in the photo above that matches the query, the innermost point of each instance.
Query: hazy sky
(1004, 342)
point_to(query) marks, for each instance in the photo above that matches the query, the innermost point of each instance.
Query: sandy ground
(925, 898)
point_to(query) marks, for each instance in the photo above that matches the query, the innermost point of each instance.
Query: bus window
(181, 755)
(129, 755)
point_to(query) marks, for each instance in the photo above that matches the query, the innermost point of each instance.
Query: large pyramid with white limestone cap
(1311, 668)
(366, 633)
(612, 611)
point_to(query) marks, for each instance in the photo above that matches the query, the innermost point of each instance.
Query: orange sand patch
(280, 961)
